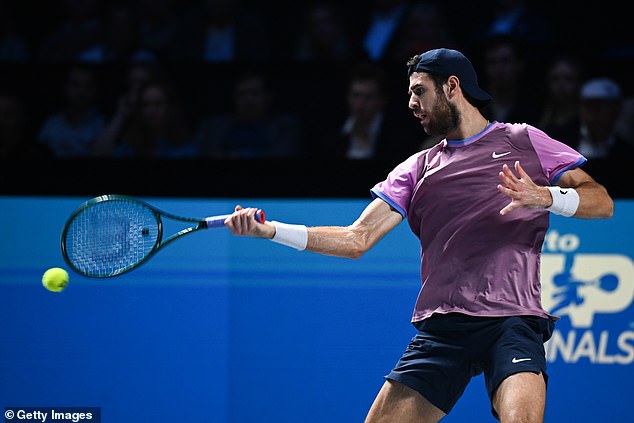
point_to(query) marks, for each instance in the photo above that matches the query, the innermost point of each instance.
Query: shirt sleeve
(555, 156)
(397, 188)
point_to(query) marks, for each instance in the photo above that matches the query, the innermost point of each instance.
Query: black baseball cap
(446, 62)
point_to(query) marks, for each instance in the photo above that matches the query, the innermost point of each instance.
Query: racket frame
(158, 244)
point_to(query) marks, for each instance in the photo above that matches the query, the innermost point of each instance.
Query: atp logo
(582, 287)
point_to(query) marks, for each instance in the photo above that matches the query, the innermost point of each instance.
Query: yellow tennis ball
(55, 279)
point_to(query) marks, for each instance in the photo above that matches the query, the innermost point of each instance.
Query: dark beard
(443, 118)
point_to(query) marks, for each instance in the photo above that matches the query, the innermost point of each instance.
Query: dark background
(600, 32)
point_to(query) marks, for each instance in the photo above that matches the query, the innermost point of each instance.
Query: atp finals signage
(593, 293)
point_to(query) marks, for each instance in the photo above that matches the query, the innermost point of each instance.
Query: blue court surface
(217, 328)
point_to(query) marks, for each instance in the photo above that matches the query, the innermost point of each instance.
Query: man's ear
(452, 85)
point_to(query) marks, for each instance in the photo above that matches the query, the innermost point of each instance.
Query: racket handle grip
(219, 221)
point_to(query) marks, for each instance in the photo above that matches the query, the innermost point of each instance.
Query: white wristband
(565, 201)
(295, 236)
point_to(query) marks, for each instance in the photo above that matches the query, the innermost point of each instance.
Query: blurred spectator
(601, 105)
(221, 31)
(254, 129)
(159, 21)
(137, 75)
(155, 126)
(519, 19)
(370, 129)
(323, 34)
(424, 28)
(81, 28)
(16, 140)
(72, 131)
(125, 83)
(120, 42)
(560, 115)
(505, 79)
(381, 24)
(625, 124)
(13, 45)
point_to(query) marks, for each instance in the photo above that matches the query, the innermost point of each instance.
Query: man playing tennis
(479, 201)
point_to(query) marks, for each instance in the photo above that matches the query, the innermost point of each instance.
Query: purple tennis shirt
(474, 260)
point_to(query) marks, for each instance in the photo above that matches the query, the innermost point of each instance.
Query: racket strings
(110, 237)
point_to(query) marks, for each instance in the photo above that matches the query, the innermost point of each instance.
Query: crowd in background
(246, 79)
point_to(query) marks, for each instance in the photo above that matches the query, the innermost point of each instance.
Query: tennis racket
(114, 234)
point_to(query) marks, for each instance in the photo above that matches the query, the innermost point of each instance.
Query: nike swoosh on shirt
(519, 360)
(497, 156)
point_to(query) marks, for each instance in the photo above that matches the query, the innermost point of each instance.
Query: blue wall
(219, 328)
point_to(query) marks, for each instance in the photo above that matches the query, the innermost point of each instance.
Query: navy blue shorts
(450, 349)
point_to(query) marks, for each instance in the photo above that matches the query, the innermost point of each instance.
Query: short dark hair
(413, 61)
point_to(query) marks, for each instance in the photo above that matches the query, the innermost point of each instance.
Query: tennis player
(479, 201)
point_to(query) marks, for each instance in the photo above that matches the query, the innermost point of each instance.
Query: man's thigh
(399, 403)
(521, 397)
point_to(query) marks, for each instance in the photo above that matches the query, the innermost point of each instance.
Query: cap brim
(477, 93)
